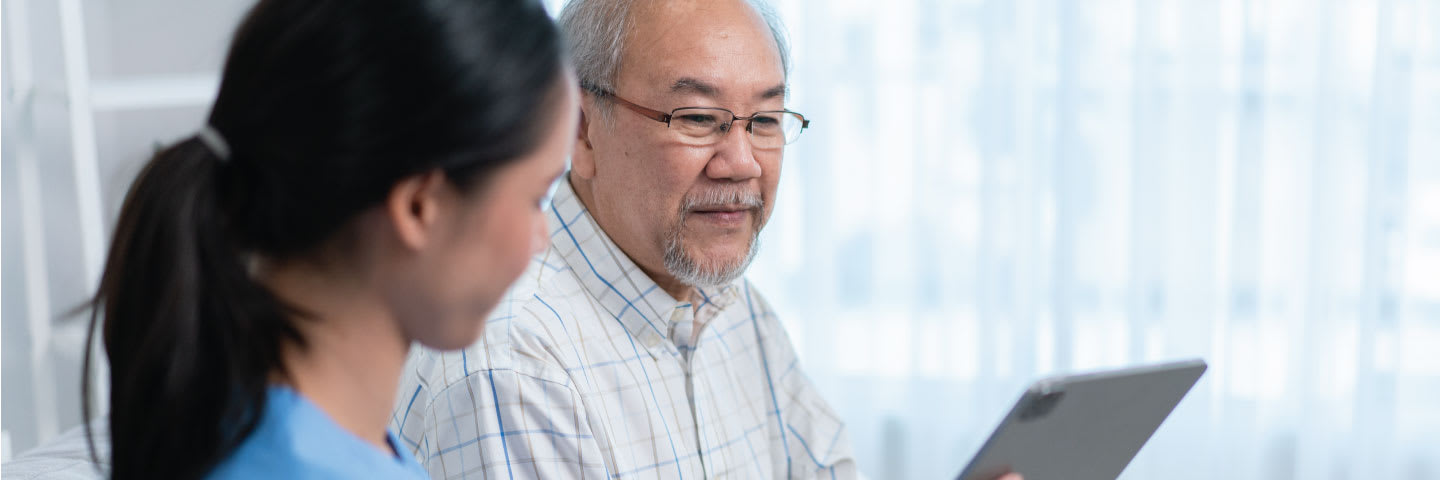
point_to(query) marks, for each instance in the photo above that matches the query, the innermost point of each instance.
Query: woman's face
(488, 239)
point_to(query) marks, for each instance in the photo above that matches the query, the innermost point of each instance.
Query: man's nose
(734, 155)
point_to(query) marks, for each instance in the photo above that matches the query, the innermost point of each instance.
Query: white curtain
(995, 190)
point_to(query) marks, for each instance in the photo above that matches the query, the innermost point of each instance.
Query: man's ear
(582, 161)
(413, 207)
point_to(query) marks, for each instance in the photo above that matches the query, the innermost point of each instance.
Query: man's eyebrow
(692, 85)
(777, 91)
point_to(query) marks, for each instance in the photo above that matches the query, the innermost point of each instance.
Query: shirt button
(677, 315)
(650, 339)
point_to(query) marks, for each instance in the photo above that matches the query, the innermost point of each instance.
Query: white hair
(595, 32)
(700, 273)
(691, 271)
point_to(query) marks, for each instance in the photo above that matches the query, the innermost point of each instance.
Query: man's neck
(678, 291)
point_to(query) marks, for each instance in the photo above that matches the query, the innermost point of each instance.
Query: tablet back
(1084, 427)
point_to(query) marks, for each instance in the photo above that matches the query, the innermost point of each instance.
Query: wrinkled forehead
(722, 46)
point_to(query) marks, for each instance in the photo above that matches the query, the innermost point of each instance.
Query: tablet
(1083, 427)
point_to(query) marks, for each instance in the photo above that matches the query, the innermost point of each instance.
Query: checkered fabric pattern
(589, 370)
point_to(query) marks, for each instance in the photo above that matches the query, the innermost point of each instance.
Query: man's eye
(766, 121)
(698, 119)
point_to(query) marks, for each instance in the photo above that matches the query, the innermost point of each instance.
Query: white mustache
(720, 197)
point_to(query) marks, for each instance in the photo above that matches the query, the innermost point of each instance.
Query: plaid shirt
(588, 370)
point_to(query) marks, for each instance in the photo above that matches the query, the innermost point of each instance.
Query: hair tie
(215, 142)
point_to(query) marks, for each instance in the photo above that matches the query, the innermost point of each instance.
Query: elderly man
(634, 348)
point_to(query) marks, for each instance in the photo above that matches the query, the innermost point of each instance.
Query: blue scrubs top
(296, 440)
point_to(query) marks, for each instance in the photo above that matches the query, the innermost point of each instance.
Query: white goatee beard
(691, 271)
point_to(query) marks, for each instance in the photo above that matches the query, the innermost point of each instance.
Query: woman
(371, 174)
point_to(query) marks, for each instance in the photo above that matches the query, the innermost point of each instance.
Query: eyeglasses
(702, 126)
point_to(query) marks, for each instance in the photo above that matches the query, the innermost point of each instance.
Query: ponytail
(323, 105)
(190, 338)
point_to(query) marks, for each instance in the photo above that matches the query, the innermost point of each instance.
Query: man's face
(687, 214)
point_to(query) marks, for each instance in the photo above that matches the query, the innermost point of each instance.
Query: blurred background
(991, 191)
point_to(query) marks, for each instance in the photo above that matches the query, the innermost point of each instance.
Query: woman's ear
(415, 205)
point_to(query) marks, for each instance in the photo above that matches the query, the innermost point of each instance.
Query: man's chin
(718, 257)
(710, 265)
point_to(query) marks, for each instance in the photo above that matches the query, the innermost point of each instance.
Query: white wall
(150, 67)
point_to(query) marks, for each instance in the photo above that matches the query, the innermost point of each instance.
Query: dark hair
(325, 105)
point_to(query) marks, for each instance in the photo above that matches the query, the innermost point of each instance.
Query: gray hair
(705, 273)
(595, 32)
